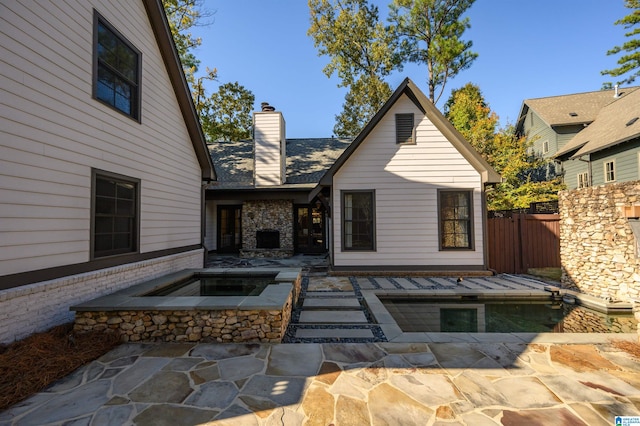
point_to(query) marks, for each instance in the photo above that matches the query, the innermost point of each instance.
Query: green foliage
(507, 153)
(431, 32)
(365, 97)
(467, 110)
(629, 62)
(182, 15)
(362, 52)
(226, 115)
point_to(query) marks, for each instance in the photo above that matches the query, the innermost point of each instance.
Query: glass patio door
(309, 230)
(229, 229)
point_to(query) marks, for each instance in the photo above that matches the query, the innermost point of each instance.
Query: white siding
(52, 132)
(269, 137)
(406, 179)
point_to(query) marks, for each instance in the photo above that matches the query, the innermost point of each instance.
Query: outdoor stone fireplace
(267, 228)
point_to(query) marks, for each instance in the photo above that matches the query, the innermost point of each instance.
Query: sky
(526, 49)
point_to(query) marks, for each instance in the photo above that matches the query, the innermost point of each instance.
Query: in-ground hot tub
(243, 308)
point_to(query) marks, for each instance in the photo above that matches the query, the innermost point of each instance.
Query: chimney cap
(266, 107)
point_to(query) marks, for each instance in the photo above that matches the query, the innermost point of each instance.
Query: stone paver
(331, 303)
(355, 383)
(328, 317)
(420, 378)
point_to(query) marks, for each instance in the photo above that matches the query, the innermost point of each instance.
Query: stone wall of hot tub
(223, 326)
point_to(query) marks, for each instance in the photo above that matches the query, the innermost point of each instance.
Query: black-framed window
(455, 216)
(358, 220)
(115, 208)
(116, 69)
(404, 129)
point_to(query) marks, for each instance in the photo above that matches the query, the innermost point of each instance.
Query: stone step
(332, 317)
(331, 303)
(341, 333)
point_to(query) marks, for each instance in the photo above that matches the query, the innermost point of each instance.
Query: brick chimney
(269, 139)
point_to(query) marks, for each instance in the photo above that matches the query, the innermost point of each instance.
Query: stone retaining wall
(578, 320)
(598, 249)
(222, 326)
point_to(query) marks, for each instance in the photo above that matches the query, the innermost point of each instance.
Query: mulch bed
(30, 365)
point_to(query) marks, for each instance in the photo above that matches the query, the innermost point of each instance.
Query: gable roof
(565, 110)
(307, 160)
(408, 88)
(162, 33)
(613, 125)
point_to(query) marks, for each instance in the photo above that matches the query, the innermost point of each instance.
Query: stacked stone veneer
(597, 245)
(263, 215)
(222, 326)
(578, 320)
(37, 307)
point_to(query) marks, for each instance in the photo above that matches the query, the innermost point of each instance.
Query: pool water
(489, 316)
(206, 285)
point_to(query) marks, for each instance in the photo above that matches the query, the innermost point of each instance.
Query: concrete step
(330, 303)
(312, 294)
(328, 333)
(332, 317)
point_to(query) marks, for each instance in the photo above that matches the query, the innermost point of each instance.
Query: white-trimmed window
(583, 180)
(610, 171)
(545, 147)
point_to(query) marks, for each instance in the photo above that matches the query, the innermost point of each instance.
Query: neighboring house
(259, 207)
(407, 194)
(103, 158)
(608, 150)
(551, 122)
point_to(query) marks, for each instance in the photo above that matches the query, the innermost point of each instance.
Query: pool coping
(394, 333)
(273, 297)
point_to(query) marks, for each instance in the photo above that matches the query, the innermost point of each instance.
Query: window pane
(121, 241)
(125, 208)
(104, 225)
(114, 220)
(358, 221)
(103, 243)
(117, 80)
(105, 206)
(455, 219)
(123, 224)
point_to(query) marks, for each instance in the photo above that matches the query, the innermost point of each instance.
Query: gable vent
(633, 120)
(404, 129)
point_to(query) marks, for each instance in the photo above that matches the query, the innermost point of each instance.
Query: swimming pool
(503, 316)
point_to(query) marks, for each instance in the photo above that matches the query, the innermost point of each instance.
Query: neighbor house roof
(564, 110)
(616, 123)
(162, 33)
(307, 160)
(408, 88)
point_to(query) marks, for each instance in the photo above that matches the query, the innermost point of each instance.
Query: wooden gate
(523, 241)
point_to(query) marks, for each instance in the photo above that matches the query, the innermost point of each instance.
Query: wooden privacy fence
(523, 241)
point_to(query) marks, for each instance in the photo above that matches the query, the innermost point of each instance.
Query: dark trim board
(31, 277)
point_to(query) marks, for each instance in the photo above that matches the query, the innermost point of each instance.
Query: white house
(408, 193)
(102, 158)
